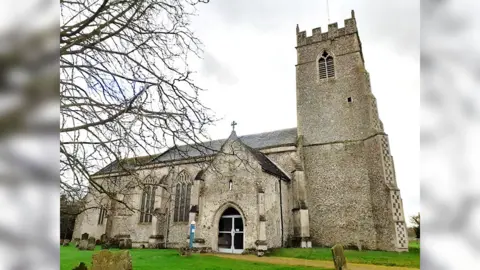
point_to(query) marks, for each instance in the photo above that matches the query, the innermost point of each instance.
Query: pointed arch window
(102, 215)
(326, 66)
(182, 198)
(147, 204)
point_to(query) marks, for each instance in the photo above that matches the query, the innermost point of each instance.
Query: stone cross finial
(233, 125)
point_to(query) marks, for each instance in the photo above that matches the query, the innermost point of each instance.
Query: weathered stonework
(329, 181)
(352, 191)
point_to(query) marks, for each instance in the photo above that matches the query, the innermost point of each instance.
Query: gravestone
(66, 243)
(106, 260)
(121, 244)
(91, 243)
(103, 239)
(83, 244)
(339, 257)
(61, 242)
(82, 266)
(128, 243)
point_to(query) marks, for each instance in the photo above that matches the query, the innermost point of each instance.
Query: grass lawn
(405, 259)
(157, 259)
(415, 244)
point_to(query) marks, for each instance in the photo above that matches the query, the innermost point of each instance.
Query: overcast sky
(249, 68)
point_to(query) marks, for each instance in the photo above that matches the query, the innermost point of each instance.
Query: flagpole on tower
(328, 12)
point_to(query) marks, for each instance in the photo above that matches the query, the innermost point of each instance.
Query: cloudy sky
(249, 68)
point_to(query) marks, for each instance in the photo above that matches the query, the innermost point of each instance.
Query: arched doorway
(230, 232)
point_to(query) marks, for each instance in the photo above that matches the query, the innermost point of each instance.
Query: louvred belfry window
(326, 68)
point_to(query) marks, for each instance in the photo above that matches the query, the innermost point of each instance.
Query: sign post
(192, 233)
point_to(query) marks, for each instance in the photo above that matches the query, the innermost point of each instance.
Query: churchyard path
(304, 262)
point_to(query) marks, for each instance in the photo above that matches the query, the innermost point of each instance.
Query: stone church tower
(351, 192)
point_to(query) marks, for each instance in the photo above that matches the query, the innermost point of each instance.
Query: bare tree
(416, 224)
(125, 85)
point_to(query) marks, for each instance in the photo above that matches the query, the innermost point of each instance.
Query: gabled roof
(283, 137)
(265, 163)
(264, 140)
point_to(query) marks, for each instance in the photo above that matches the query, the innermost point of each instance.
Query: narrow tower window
(326, 67)
(349, 99)
(230, 185)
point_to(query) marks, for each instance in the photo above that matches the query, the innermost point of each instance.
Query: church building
(330, 180)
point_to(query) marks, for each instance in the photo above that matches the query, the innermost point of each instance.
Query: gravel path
(303, 262)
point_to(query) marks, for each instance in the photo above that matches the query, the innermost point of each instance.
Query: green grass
(415, 244)
(157, 259)
(404, 259)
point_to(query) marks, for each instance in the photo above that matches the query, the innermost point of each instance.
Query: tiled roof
(283, 137)
(129, 163)
(255, 141)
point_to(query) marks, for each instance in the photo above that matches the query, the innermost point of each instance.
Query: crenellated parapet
(350, 27)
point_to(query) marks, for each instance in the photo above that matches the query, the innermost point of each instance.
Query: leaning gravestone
(66, 243)
(339, 257)
(91, 243)
(106, 260)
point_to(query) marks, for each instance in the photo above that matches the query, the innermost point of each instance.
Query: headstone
(61, 242)
(91, 243)
(66, 243)
(128, 243)
(339, 257)
(85, 236)
(82, 266)
(83, 245)
(121, 244)
(113, 242)
(106, 260)
(103, 239)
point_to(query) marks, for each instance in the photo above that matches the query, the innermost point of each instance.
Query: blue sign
(192, 233)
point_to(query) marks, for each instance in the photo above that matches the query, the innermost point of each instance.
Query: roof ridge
(268, 132)
(220, 140)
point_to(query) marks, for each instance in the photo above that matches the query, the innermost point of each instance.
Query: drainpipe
(281, 209)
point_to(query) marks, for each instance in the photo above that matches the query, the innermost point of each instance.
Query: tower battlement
(332, 33)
